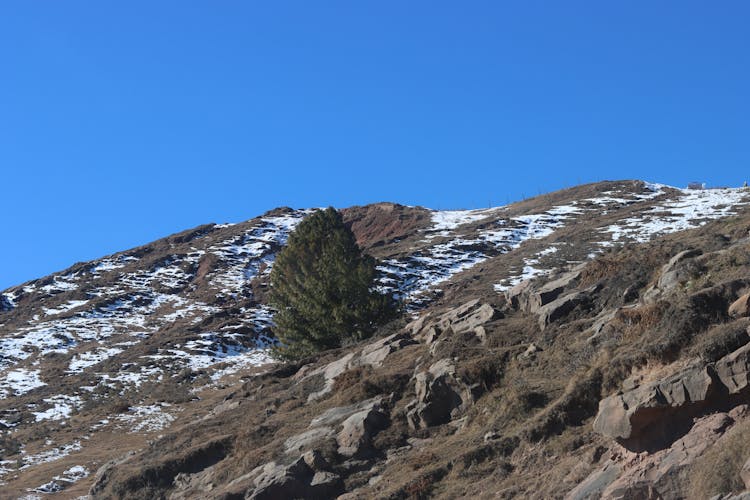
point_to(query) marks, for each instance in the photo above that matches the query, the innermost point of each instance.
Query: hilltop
(591, 342)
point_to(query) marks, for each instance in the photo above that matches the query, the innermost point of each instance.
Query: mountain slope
(106, 356)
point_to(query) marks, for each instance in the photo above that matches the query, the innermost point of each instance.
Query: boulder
(651, 415)
(440, 396)
(308, 439)
(357, 431)
(740, 307)
(282, 481)
(337, 414)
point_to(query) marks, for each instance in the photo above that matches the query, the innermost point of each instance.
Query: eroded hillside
(579, 343)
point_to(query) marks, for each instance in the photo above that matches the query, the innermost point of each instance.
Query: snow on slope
(691, 209)
(413, 277)
(128, 310)
(109, 316)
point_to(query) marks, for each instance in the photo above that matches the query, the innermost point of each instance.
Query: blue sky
(122, 122)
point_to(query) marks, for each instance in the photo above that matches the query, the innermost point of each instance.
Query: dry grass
(718, 471)
(722, 339)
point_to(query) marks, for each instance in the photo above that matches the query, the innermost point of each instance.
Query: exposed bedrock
(468, 317)
(650, 416)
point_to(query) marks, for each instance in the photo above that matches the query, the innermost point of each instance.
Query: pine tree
(322, 289)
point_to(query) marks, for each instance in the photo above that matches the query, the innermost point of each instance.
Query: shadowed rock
(440, 396)
(651, 416)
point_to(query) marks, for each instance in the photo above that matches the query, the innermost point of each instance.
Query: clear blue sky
(122, 122)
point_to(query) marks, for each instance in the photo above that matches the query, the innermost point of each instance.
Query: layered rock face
(650, 416)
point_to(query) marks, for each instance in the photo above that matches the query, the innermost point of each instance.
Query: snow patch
(62, 407)
(443, 221)
(692, 209)
(59, 483)
(412, 277)
(85, 359)
(110, 264)
(146, 418)
(59, 284)
(71, 304)
(20, 381)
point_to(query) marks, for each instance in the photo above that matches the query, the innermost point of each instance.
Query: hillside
(586, 343)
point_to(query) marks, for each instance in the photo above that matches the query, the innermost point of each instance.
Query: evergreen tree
(322, 289)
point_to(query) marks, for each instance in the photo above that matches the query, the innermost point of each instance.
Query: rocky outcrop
(602, 323)
(373, 354)
(662, 474)
(652, 415)
(104, 473)
(296, 480)
(311, 438)
(552, 300)
(358, 423)
(469, 317)
(528, 297)
(562, 306)
(745, 474)
(440, 396)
